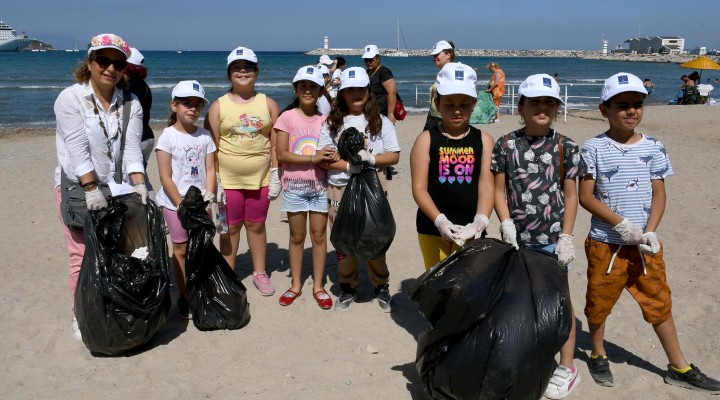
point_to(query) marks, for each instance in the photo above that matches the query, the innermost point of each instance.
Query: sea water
(31, 81)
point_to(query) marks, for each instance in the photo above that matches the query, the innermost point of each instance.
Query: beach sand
(303, 352)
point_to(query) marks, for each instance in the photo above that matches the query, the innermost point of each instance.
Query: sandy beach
(303, 352)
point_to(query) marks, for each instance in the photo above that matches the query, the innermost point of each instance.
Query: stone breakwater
(585, 54)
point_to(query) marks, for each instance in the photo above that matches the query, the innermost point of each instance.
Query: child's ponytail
(172, 119)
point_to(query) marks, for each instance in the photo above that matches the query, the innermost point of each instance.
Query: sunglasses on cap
(104, 62)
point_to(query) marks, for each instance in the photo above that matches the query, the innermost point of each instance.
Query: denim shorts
(304, 201)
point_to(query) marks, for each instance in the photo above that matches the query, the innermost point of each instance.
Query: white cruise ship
(10, 41)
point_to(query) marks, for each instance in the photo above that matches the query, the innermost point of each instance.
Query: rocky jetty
(585, 54)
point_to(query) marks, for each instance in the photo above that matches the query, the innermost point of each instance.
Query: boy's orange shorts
(651, 291)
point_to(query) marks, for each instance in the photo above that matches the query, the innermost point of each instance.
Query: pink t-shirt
(303, 134)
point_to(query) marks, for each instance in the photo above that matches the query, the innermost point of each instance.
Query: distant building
(656, 44)
(699, 51)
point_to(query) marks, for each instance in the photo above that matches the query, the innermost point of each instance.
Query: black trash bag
(364, 226)
(350, 143)
(498, 317)
(122, 301)
(217, 297)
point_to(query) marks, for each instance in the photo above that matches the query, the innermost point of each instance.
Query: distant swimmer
(649, 86)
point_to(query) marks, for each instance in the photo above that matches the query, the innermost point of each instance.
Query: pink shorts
(178, 234)
(247, 205)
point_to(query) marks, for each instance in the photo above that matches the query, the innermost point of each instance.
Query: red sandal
(323, 299)
(288, 297)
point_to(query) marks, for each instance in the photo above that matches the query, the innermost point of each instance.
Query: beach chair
(704, 93)
(690, 96)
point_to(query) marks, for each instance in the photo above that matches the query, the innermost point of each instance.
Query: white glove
(141, 189)
(447, 229)
(651, 243)
(209, 196)
(474, 229)
(509, 233)
(353, 169)
(275, 186)
(629, 232)
(565, 249)
(95, 200)
(366, 157)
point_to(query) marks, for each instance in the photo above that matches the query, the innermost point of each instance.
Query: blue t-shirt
(623, 176)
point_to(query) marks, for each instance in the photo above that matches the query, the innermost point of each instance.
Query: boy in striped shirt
(624, 190)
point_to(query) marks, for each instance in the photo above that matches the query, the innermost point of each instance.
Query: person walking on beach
(89, 118)
(536, 170)
(135, 74)
(304, 183)
(185, 158)
(241, 122)
(337, 76)
(382, 82)
(496, 86)
(443, 52)
(355, 107)
(450, 167)
(624, 190)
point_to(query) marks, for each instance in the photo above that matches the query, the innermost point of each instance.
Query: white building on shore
(656, 44)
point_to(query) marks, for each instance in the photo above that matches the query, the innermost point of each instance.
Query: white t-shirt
(323, 105)
(385, 142)
(188, 152)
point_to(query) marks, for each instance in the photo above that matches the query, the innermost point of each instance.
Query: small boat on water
(397, 52)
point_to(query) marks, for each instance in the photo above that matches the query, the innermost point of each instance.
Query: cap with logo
(440, 46)
(457, 78)
(241, 53)
(540, 85)
(309, 73)
(370, 51)
(620, 83)
(354, 77)
(189, 89)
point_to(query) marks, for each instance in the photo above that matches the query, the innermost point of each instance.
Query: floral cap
(109, 41)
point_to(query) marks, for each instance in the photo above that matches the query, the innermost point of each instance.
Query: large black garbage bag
(217, 298)
(498, 316)
(364, 226)
(122, 301)
(351, 141)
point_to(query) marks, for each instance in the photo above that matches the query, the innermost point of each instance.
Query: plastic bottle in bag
(221, 216)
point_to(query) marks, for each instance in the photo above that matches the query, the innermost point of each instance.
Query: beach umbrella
(701, 63)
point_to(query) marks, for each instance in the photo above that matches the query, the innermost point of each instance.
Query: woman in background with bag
(355, 108)
(92, 118)
(382, 82)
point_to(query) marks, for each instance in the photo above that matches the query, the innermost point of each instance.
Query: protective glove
(629, 232)
(353, 169)
(474, 229)
(275, 187)
(565, 249)
(509, 233)
(220, 196)
(95, 200)
(366, 157)
(447, 229)
(209, 198)
(141, 189)
(651, 243)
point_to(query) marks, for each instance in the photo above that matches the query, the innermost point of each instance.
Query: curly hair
(82, 72)
(340, 110)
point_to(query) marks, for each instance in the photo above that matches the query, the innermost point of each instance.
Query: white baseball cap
(309, 73)
(440, 46)
(136, 57)
(241, 53)
(323, 69)
(540, 85)
(370, 51)
(354, 77)
(325, 59)
(109, 41)
(457, 78)
(189, 89)
(620, 83)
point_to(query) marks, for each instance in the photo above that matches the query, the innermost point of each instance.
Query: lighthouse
(325, 43)
(604, 46)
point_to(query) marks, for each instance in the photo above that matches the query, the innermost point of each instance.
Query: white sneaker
(76, 329)
(562, 382)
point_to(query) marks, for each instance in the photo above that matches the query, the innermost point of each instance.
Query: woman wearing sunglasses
(89, 117)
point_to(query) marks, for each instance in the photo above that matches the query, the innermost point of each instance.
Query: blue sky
(274, 25)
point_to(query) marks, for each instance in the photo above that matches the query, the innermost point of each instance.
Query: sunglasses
(104, 62)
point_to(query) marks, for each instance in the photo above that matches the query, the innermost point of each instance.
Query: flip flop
(288, 297)
(323, 299)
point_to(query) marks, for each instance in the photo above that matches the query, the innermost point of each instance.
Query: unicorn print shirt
(623, 179)
(188, 160)
(533, 183)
